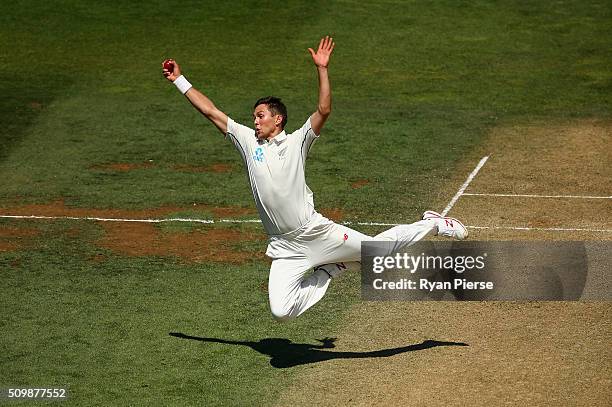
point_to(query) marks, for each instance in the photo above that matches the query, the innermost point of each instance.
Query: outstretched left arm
(321, 60)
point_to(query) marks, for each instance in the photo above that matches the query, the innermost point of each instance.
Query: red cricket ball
(169, 66)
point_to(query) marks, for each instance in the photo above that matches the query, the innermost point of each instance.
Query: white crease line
(109, 219)
(194, 220)
(542, 229)
(540, 196)
(238, 221)
(370, 224)
(464, 186)
(212, 221)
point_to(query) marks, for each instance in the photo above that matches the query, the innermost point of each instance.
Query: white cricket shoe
(448, 227)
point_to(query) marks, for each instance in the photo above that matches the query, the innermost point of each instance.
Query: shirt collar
(280, 137)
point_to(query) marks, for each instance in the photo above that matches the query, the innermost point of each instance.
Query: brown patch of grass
(144, 239)
(73, 232)
(226, 211)
(360, 183)
(220, 167)
(59, 208)
(217, 168)
(8, 246)
(335, 214)
(122, 167)
(14, 238)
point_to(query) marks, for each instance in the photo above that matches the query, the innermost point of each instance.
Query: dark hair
(275, 106)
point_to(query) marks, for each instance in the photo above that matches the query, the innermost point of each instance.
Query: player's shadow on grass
(283, 353)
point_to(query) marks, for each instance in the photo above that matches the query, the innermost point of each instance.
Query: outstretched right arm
(198, 99)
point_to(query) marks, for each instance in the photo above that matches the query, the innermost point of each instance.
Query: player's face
(265, 122)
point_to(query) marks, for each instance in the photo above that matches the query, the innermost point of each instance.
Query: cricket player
(307, 249)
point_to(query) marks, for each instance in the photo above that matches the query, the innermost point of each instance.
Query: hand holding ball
(169, 65)
(171, 70)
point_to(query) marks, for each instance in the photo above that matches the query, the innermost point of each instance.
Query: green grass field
(416, 87)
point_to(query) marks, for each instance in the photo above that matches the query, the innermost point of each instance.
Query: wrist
(182, 84)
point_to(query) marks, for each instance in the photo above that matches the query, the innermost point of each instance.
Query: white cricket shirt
(276, 174)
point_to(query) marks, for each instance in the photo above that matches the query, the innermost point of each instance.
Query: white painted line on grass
(187, 220)
(237, 221)
(109, 219)
(212, 221)
(464, 186)
(539, 196)
(369, 224)
(523, 228)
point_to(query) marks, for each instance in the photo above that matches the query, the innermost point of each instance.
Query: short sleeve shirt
(276, 174)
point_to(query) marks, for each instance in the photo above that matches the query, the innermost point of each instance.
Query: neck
(276, 133)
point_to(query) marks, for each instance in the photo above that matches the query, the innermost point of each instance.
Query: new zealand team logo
(259, 156)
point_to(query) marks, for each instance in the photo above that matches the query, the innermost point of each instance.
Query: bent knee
(281, 313)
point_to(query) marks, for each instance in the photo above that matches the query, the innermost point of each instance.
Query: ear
(278, 120)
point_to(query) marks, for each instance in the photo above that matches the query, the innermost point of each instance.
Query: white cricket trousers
(322, 242)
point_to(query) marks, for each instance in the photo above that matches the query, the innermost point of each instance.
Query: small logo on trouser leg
(333, 269)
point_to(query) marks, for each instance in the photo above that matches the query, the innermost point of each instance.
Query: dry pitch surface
(518, 353)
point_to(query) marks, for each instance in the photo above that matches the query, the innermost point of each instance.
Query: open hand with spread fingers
(321, 57)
